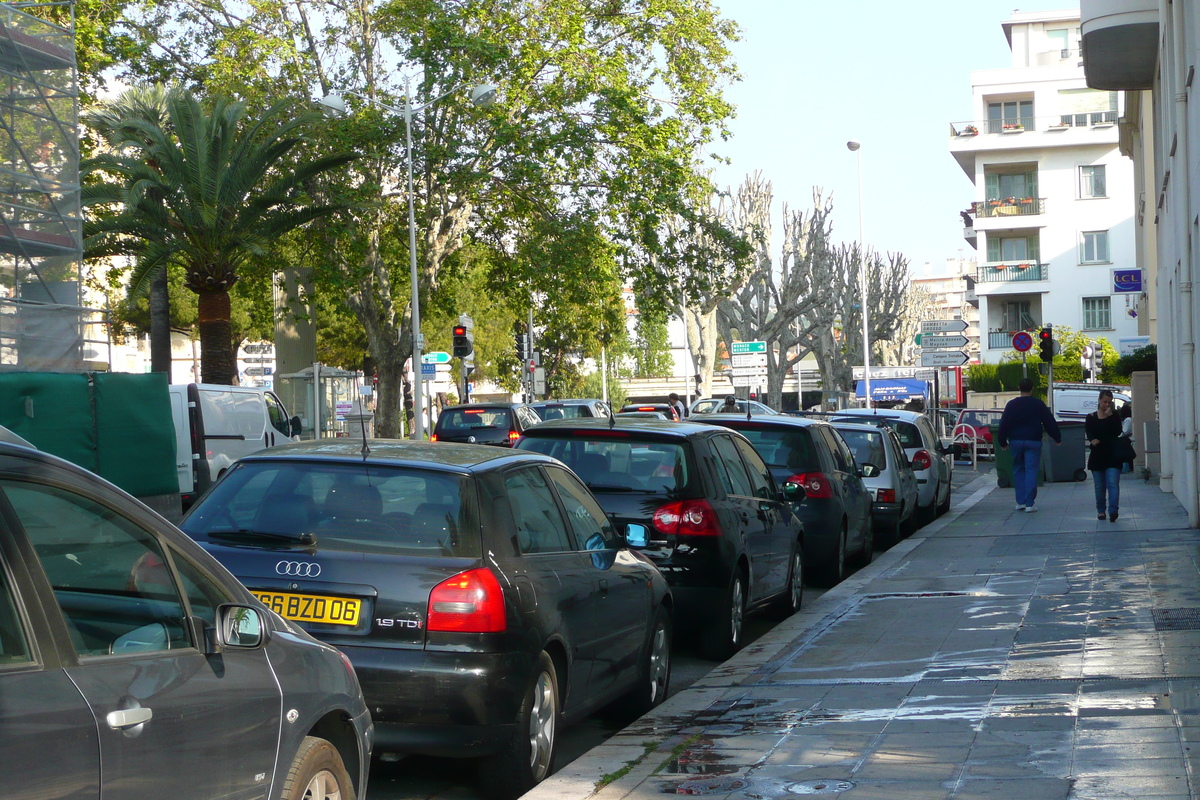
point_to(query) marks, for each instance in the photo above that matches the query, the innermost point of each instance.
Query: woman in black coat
(1102, 428)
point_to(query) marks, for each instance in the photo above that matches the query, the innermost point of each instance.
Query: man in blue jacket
(1021, 425)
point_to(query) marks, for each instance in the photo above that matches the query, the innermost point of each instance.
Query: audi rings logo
(298, 569)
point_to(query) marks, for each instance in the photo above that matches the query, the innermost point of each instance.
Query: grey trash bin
(1066, 462)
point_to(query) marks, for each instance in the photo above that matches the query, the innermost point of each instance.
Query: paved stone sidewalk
(996, 654)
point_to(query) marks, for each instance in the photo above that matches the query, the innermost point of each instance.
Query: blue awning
(891, 389)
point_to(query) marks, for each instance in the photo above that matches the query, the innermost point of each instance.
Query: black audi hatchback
(700, 502)
(481, 593)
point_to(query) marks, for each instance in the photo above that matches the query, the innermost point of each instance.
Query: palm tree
(209, 189)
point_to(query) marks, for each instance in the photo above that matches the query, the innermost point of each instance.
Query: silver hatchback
(893, 488)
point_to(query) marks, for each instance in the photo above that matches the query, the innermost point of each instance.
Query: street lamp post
(483, 95)
(855, 147)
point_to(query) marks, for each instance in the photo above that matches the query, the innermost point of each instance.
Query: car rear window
(618, 464)
(562, 412)
(910, 435)
(356, 507)
(470, 419)
(789, 448)
(867, 446)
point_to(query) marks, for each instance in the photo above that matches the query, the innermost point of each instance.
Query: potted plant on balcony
(1013, 127)
(970, 130)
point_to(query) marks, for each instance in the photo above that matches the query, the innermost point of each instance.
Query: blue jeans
(1027, 458)
(1109, 479)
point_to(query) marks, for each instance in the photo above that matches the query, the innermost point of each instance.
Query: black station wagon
(481, 593)
(701, 504)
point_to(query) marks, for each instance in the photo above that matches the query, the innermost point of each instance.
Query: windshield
(790, 448)
(469, 419)
(358, 507)
(624, 464)
(867, 446)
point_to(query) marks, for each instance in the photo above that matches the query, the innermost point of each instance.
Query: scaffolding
(44, 324)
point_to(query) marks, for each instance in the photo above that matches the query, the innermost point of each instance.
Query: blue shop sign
(1127, 280)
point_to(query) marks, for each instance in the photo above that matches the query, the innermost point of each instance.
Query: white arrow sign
(944, 358)
(943, 342)
(943, 325)
(742, 380)
(746, 372)
(749, 360)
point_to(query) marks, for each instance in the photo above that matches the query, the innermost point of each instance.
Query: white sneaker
(1031, 510)
(1020, 507)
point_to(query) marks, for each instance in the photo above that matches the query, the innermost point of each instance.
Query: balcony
(1120, 43)
(1009, 207)
(1000, 340)
(1017, 125)
(1011, 271)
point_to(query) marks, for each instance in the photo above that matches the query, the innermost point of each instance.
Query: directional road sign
(748, 347)
(1022, 341)
(435, 358)
(428, 370)
(943, 325)
(943, 342)
(749, 360)
(747, 380)
(746, 372)
(943, 358)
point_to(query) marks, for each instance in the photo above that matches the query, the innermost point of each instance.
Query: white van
(1077, 400)
(216, 425)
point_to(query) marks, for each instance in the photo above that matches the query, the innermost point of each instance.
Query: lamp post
(483, 95)
(855, 147)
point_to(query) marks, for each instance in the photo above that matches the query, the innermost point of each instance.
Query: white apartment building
(1052, 216)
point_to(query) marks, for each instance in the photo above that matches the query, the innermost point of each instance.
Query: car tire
(788, 602)
(832, 570)
(945, 506)
(887, 538)
(908, 525)
(526, 759)
(654, 676)
(724, 638)
(867, 551)
(317, 773)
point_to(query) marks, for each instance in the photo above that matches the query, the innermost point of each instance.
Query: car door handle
(128, 718)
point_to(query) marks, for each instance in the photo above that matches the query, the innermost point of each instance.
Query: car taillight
(815, 484)
(885, 495)
(687, 518)
(922, 460)
(469, 602)
(433, 437)
(513, 436)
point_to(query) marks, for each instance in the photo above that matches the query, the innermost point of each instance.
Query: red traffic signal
(460, 330)
(1046, 345)
(464, 342)
(1046, 334)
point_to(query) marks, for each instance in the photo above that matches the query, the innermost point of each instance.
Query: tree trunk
(160, 325)
(217, 364)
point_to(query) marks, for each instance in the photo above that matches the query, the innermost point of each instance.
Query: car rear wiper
(305, 538)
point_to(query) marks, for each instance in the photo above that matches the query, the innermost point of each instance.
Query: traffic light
(1046, 343)
(1097, 361)
(464, 342)
(1085, 361)
(522, 343)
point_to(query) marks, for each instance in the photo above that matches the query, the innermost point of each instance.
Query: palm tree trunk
(216, 337)
(160, 325)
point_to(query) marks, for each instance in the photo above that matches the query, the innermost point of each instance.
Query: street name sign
(435, 357)
(749, 360)
(740, 348)
(747, 380)
(943, 358)
(746, 372)
(943, 325)
(943, 342)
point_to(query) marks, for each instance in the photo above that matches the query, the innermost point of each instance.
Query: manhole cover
(1176, 619)
(707, 786)
(819, 787)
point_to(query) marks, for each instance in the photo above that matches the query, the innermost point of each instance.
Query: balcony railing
(1058, 122)
(1004, 271)
(1009, 206)
(1000, 340)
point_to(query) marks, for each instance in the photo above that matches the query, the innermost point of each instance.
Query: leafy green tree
(204, 189)
(652, 349)
(1142, 359)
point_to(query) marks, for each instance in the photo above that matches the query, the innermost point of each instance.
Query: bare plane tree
(916, 308)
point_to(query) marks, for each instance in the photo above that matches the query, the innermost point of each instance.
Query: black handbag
(1123, 449)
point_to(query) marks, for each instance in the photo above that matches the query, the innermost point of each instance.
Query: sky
(891, 75)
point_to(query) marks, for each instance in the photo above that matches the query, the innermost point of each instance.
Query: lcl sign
(1127, 280)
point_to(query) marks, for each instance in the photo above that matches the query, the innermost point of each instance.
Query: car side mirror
(793, 492)
(870, 470)
(295, 425)
(240, 627)
(636, 535)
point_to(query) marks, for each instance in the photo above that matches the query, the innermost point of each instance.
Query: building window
(1083, 107)
(1097, 314)
(1019, 185)
(1091, 181)
(1010, 114)
(1094, 247)
(1017, 316)
(1012, 248)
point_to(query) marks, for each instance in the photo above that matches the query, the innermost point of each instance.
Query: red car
(978, 421)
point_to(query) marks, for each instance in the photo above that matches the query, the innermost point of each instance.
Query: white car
(931, 460)
(715, 405)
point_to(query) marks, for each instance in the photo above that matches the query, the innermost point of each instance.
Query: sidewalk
(995, 654)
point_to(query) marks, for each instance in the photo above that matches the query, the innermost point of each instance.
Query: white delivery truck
(216, 425)
(1077, 400)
